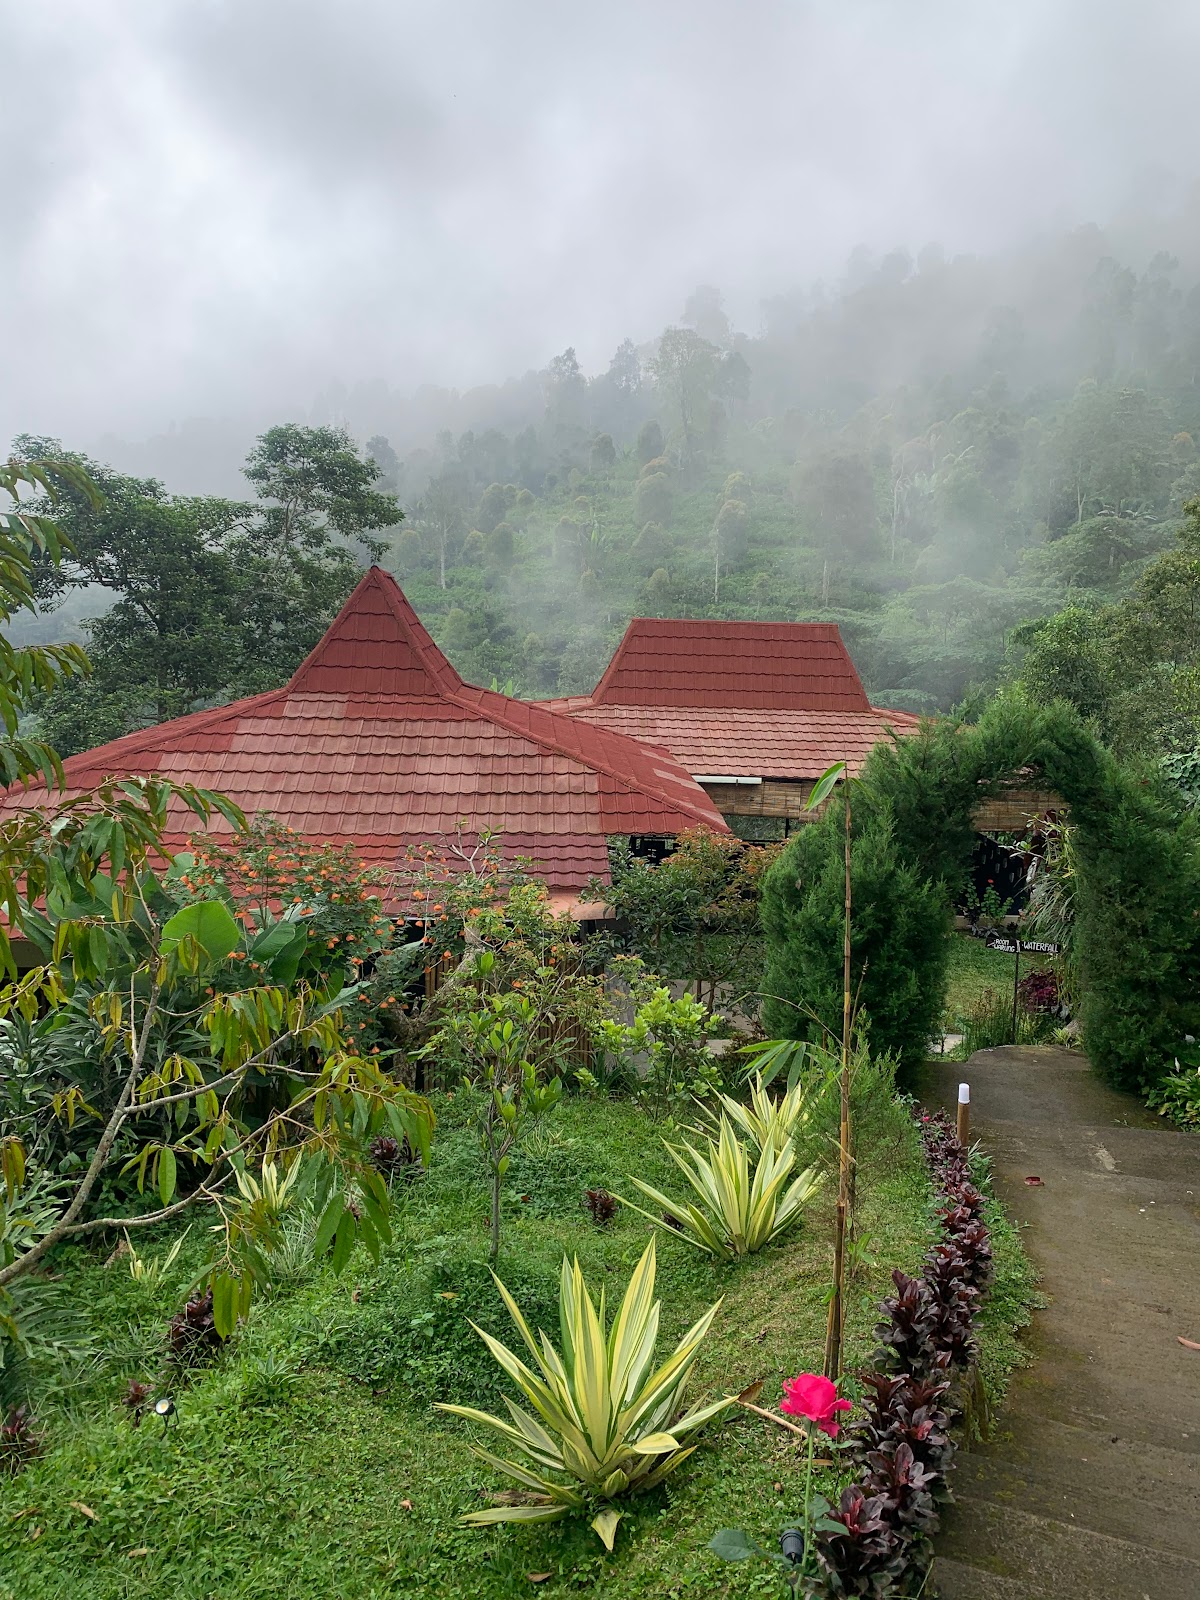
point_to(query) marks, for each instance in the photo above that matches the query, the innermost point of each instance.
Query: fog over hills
(279, 208)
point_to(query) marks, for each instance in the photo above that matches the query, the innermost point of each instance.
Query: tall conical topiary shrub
(897, 938)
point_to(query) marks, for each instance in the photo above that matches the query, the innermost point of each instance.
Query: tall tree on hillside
(313, 482)
(391, 468)
(836, 495)
(686, 369)
(566, 391)
(441, 512)
(29, 537)
(625, 370)
(704, 311)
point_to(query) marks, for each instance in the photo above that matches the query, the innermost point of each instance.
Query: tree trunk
(494, 1246)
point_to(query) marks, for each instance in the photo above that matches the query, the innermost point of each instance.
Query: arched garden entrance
(1137, 893)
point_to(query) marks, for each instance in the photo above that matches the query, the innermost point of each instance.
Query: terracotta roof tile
(732, 742)
(764, 665)
(377, 741)
(739, 699)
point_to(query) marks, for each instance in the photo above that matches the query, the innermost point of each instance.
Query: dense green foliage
(1132, 668)
(1137, 882)
(928, 452)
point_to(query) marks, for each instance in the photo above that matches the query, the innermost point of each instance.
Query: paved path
(1090, 1486)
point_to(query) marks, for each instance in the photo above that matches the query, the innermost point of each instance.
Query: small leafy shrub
(672, 1038)
(601, 1205)
(610, 1424)
(268, 1380)
(20, 1440)
(903, 1410)
(905, 1333)
(1176, 1095)
(192, 1335)
(868, 1556)
(394, 1158)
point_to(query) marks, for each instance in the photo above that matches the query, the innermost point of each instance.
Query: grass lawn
(972, 970)
(307, 1460)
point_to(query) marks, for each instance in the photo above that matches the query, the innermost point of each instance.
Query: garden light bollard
(964, 1114)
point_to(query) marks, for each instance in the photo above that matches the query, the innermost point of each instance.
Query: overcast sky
(213, 206)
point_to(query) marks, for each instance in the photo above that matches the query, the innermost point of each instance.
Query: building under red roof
(378, 742)
(755, 711)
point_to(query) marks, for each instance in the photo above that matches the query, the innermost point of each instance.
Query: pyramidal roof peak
(376, 645)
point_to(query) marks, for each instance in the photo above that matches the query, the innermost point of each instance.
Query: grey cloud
(216, 206)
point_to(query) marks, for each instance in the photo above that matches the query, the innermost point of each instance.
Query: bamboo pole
(837, 1305)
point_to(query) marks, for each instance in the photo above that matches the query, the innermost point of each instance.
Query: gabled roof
(740, 699)
(378, 742)
(795, 666)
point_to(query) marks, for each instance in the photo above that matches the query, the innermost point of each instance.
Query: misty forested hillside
(927, 455)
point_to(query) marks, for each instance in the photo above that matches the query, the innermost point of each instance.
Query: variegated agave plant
(743, 1205)
(606, 1417)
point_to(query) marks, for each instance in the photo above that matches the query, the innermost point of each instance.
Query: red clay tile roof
(740, 699)
(727, 741)
(377, 741)
(765, 665)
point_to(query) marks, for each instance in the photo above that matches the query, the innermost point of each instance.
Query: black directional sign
(1018, 947)
(1011, 946)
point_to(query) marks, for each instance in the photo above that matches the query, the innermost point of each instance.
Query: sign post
(1007, 946)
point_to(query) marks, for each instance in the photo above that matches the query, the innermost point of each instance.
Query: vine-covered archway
(1137, 902)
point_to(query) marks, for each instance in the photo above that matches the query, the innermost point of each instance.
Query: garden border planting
(923, 1381)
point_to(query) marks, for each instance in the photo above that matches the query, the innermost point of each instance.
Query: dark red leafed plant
(20, 1440)
(906, 1333)
(394, 1158)
(1038, 992)
(135, 1400)
(904, 1484)
(868, 1557)
(601, 1204)
(903, 1441)
(192, 1333)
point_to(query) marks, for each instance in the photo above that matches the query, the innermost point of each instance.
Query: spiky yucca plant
(766, 1122)
(741, 1210)
(606, 1418)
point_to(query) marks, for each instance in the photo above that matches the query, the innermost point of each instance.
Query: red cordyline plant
(879, 1531)
(903, 1441)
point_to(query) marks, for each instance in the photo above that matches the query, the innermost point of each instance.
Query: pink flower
(816, 1398)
